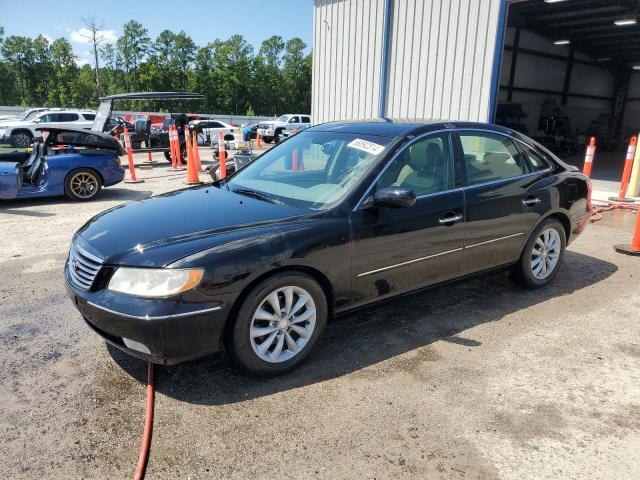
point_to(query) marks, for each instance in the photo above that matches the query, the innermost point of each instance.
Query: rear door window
(490, 157)
(306, 119)
(67, 117)
(536, 161)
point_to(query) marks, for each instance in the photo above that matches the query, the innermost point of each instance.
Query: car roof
(393, 127)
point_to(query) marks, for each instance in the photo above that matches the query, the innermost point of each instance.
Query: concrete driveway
(474, 380)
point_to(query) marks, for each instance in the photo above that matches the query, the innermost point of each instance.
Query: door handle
(531, 201)
(452, 219)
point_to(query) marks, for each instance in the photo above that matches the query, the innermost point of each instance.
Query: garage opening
(570, 70)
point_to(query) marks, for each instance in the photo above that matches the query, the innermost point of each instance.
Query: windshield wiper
(259, 195)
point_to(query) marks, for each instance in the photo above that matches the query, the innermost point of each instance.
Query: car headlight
(154, 283)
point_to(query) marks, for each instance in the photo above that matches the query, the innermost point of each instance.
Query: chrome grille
(82, 267)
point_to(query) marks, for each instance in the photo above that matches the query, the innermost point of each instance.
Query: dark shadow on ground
(375, 334)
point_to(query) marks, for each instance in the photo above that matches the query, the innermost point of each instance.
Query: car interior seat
(32, 157)
(427, 174)
(33, 173)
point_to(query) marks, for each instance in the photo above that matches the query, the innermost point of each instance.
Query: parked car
(271, 130)
(20, 133)
(72, 162)
(209, 130)
(339, 216)
(22, 115)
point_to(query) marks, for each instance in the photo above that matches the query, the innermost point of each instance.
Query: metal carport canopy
(154, 96)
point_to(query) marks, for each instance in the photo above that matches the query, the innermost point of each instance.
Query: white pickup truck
(271, 130)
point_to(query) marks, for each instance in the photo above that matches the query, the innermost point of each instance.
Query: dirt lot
(475, 380)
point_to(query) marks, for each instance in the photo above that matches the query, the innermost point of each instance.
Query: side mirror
(392, 197)
(37, 120)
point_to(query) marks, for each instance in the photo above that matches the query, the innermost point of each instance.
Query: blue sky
(204, 21)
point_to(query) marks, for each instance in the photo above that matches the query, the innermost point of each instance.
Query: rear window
(536, 161)
(490, 157)
(89, 116)
(67, 117)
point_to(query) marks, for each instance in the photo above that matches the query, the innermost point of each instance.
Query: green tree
(19, 54)
(64, 73)
(267, 91)
(296, 73)
(133, 46)
(183, 55)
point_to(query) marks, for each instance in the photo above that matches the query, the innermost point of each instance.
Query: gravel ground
(474, 380)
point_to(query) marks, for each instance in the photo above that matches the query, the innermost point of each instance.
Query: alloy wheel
(282, 324)
(545, 253)
(84, 185)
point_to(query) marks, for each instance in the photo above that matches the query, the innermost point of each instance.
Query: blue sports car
(72, 162)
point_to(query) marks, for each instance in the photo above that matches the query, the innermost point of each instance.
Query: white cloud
(82, 61)
(83, 34)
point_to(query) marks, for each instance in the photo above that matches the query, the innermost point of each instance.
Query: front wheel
(542, 255)
(167, 156)
(278, 324)
(20, 140)
(267, 139)
(82, 184)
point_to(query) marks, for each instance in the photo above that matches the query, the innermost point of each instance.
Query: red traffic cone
(222, 155)
(626, 174)
(132, 168)
(588, 159)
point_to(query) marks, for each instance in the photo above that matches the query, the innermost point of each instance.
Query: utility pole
(95, 37)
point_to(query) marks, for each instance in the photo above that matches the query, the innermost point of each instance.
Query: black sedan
(337, 217)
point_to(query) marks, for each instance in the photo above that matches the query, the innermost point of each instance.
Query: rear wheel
(278, 323)
(267, 139)
(21, 139)
(82, 184)
(542, 255)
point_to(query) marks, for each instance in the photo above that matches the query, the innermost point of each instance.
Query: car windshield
(282, 118)
(313, 169)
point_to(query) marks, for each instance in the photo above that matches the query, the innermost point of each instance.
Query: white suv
(271, 130)
(20, 133)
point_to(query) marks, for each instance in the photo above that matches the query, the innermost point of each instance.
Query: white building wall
(441, 57)
(347, 56)
(441, 61)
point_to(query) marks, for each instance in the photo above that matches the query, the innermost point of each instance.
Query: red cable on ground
(597, 211)
(148, 427)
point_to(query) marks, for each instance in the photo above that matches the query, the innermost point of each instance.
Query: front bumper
(266, 132)
(163, 331)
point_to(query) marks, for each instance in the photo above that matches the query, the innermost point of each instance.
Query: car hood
(14, 123)
(160, 230)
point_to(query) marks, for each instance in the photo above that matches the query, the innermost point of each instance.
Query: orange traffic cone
(132, 168)
(196, 152)
(258, 144)
(626, 174)
(634, 248)
(192, 172)
(222, 155)
(588, 159)
(177, 151)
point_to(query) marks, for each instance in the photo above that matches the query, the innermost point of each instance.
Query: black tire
(167, 156)
(91, 189)
(22, 139)
(267, 139)
(238, 341)
(278, 136)
(523, 271)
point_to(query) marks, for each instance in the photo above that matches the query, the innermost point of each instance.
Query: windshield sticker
(365, 146)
